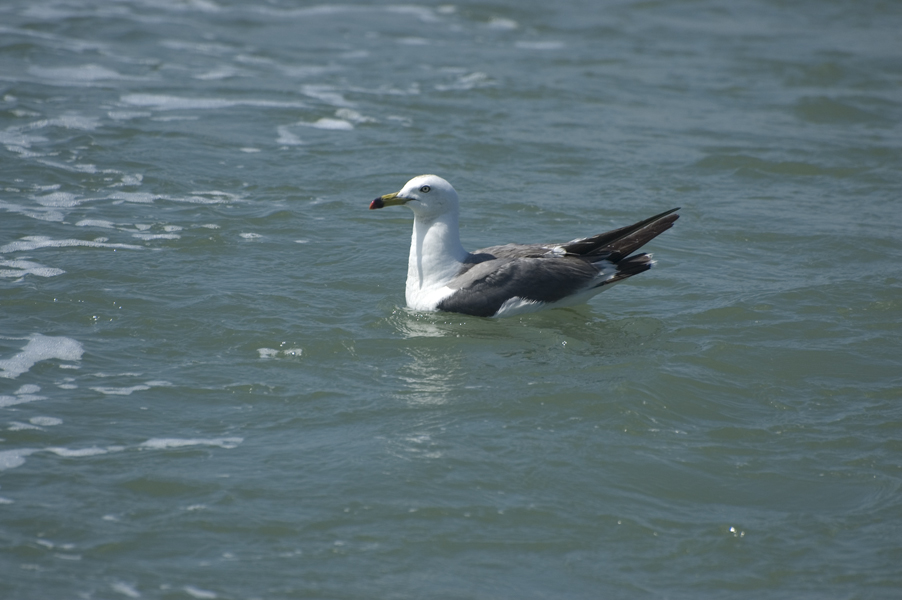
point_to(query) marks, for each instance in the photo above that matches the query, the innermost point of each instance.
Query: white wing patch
(518, 306)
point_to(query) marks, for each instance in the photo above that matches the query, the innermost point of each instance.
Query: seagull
(513, 279)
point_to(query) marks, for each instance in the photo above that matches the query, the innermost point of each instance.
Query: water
(209, 387)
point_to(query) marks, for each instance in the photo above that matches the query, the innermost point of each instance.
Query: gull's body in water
(516, 278)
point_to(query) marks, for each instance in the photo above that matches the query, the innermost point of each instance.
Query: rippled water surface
(210, 387)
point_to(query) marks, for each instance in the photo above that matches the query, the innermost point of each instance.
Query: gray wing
(613, 245)
(551, 272)
(484, 287)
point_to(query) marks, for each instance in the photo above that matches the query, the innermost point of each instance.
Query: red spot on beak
(377, 203)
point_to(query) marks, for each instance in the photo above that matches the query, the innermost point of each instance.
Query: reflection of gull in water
(432, 376)
(417, 325)
(515, 278)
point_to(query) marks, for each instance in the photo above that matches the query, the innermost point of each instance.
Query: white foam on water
(13, 137)
(121, 391)
(24, 152)
(175, 118)
(385, 90)
(199, 197)
(68, 122)
(41, 12)
(549, 45)
(22, 113)
(420, 13)
(105, 375)
(68, 556)
(162, 102)
(40, 347)
(125, 589)
(250, 150)
(257, 61)
(327, 123)
(76, 74)
(427, 15)
(304, 70)
(95, 223)
(286, 137)
(167, 443)
(74, 168)
(16, 426)
(502, 24)
(201, 5)
(404, 121)
(20, 268)
(135, 179)
(58, 200)
(127, 115)
(156, 236)
(467, 82)
(33, 242)
(45, 421)
(166, 102)
(272, 353)
(250, 236)
(210, 226)
(218, 74)
(353, 116)
(223, 196)
(225, 199)
(10, 459)
(199, 593)
(66, 452)
(327, 10)
(136, 197)
(128, 391)
(327, 94)
(35, 212)
(7, 400)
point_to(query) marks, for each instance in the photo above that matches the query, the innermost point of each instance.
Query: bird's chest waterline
(435, 259)
(427, 281)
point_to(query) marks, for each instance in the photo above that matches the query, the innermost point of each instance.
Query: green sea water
(210, 386)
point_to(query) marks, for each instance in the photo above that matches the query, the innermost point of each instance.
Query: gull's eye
(425, 189)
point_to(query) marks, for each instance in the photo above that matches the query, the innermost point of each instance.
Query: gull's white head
(428, 196)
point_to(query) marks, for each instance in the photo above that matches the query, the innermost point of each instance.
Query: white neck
(435, 258)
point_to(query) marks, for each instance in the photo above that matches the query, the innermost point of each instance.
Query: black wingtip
(625, 240)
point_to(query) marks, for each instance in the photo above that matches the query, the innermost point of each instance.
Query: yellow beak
(388, 200)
